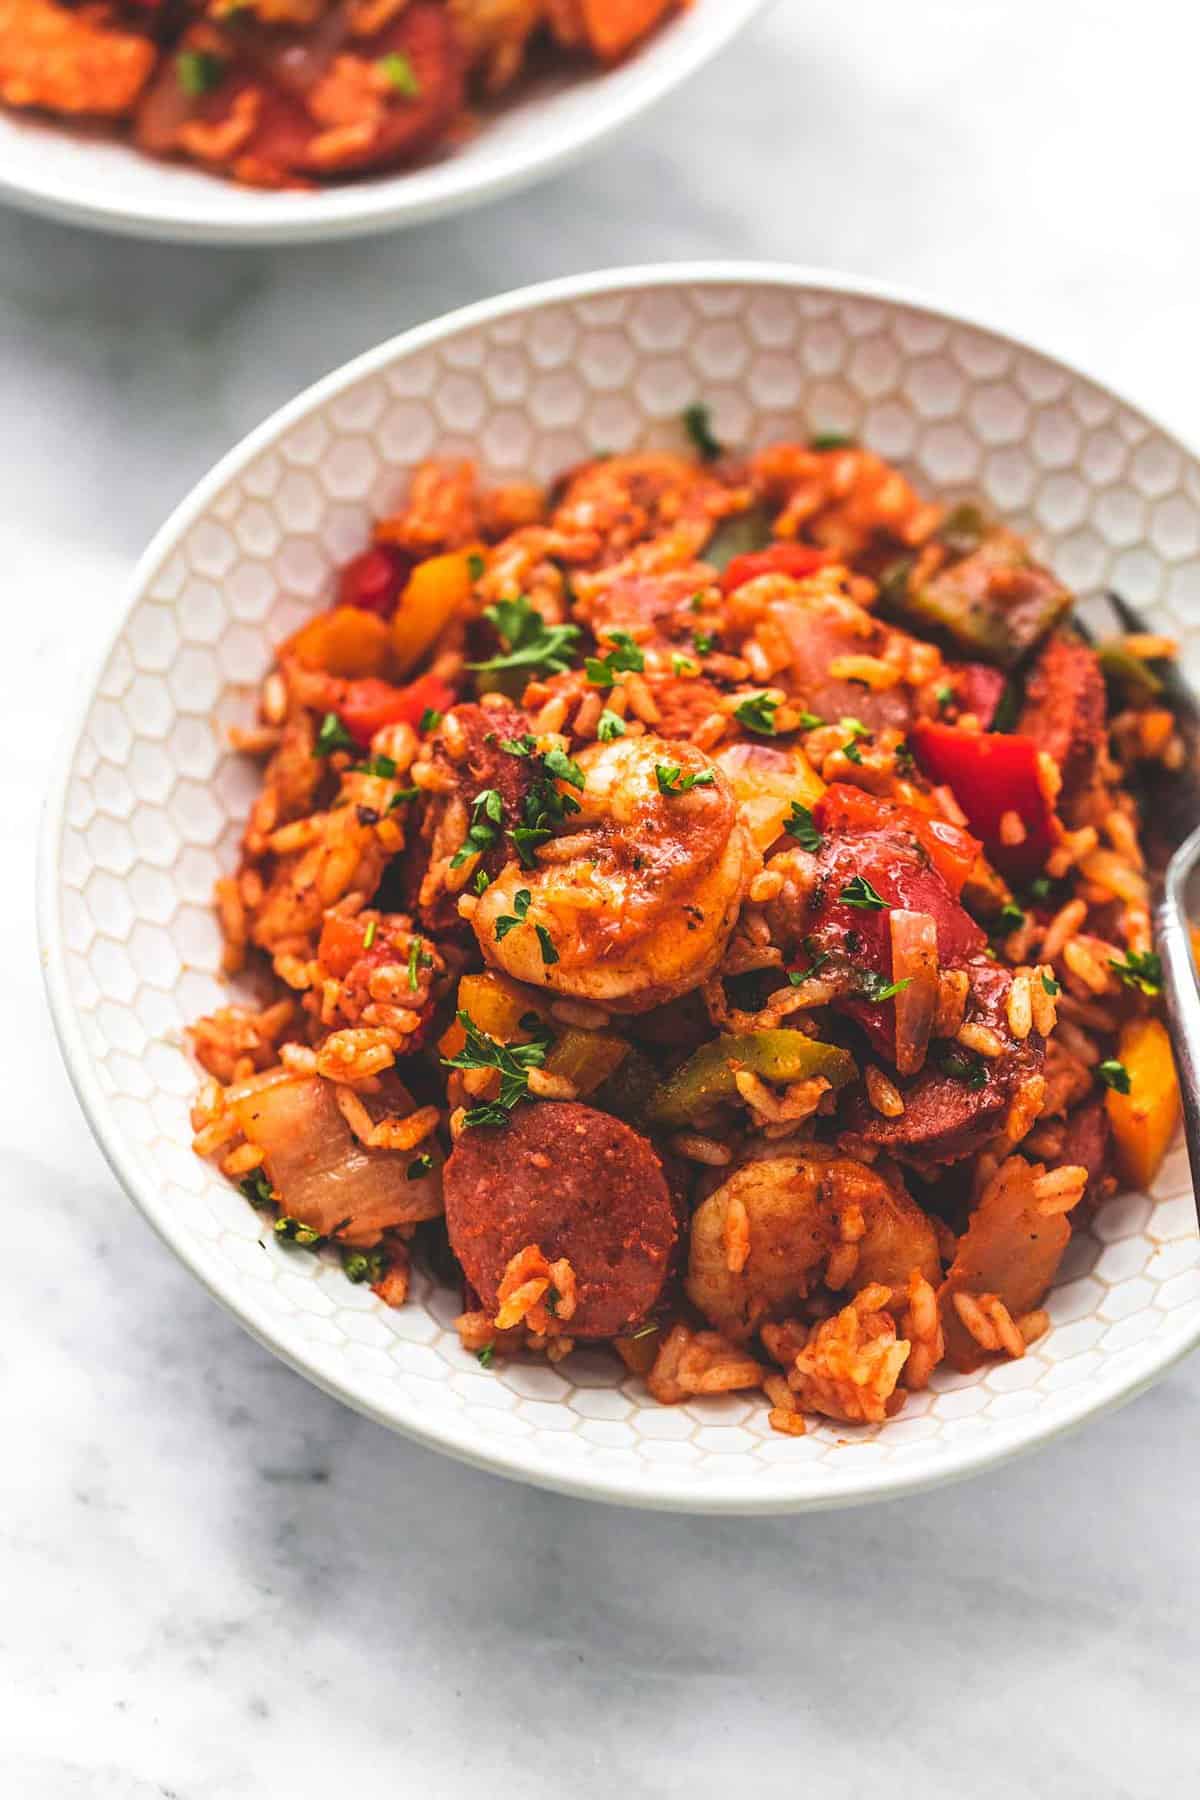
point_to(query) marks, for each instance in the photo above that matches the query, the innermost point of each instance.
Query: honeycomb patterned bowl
(48, 167)
(146, 808)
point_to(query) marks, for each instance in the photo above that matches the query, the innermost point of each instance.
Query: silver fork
(1171, 828)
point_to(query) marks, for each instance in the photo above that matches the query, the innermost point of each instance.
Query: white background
(217, 1583)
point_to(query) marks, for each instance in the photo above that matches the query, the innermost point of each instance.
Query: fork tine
(1181, 990)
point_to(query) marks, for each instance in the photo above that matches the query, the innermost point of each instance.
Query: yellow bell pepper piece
(436, 589)
(346, 641)
(1143, 1120)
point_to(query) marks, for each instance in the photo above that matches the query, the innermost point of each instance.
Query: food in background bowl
(294, 92)
(702, 908)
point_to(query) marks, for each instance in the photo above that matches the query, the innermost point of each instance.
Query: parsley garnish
(420, 1165)
(1114, 1075)
(874, 988)
(944, 697)
(525, 745)
(198, 72)
(1012, 915)
(684, 665)
(383, 766)
(332, 736)
(1039, 887)
(370, 933)
(672, 780)
(294, 1231)
(559, 764)
(482, 881)
(509, 921)
(362, 1265)
(800, 826)
(964, 1065)
(809, 721)
(513, 1061)
(549, 953)
(531, 643)
(831, 440)
(855, 727)
(1050, 985)
(602, 671)
(399, 74)
(400, 796)
(697, 422)
(258, 1189)
(702, 642)
(610, 725)
(757, 713)
(818, 960)
(859, 892)
(417, 959)
(486, 1356)
(1140, 969)
(851, 752)
(476, 564)
(431, 718)
(487, 812)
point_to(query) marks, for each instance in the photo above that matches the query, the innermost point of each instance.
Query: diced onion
(914, 961)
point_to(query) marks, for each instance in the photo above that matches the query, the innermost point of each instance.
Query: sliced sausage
(577, 1183)
(1064, 712)
(1087, 1143)
(948, 1116)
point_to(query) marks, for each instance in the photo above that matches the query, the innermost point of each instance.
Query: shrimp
(636, 904)
(800, 1213)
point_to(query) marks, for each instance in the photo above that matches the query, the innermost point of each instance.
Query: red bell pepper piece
(779, 559)
(375, 580)
(951, 850)
(991, 775)
(368, 705)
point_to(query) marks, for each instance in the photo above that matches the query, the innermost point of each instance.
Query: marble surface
(217, 1583)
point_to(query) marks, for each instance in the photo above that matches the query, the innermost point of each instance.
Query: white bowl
(47, 167)
(146, 807)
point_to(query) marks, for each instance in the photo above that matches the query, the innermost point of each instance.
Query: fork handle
(1181, 991)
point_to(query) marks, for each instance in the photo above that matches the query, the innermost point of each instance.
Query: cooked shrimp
(803, 1215)
(636, 904)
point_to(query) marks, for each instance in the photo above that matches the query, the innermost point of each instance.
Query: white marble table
(215, 1582)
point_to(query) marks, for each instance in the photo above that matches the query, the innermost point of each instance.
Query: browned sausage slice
(577, 1183)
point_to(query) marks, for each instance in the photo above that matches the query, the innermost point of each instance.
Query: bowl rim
(386, 201)
(664, 1489)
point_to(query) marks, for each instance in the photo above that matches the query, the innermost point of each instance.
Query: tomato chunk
(368, 705)
(375, 580)
(991, 776)
(951, 850)
(779, 559)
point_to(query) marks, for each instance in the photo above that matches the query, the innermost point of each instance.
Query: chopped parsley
(809, 721)
(1139, 969)
(549, 953)
(1050, 985)
(559, 764)
(602, 671)
(702, 642)
(420, 1165)
(874, 988)
(757, 713)
(512, 1061)
(369, 935)
(1114, 1075)
(818, 959)
(610, 725)
(400, 796)
(859, 892)
(476, 564)
(964, 1065)
(800, 826)
(294, 1231)
(383, 766)
(400, 76)
(487, 813)
(417, 960)
(525, 745)
(831, 440)
(851, 752)
(856, 728)
(258, 1189)
(431, 718)
(697, 422)
(486, 1356)
(482, 881)
(672, 780)
(198, 72)
(332, 736)
(362, 1265)
(1012, 915)
(684, 665)
(509, 921)
(1039, 887)
(530, 642)
(944, 696)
